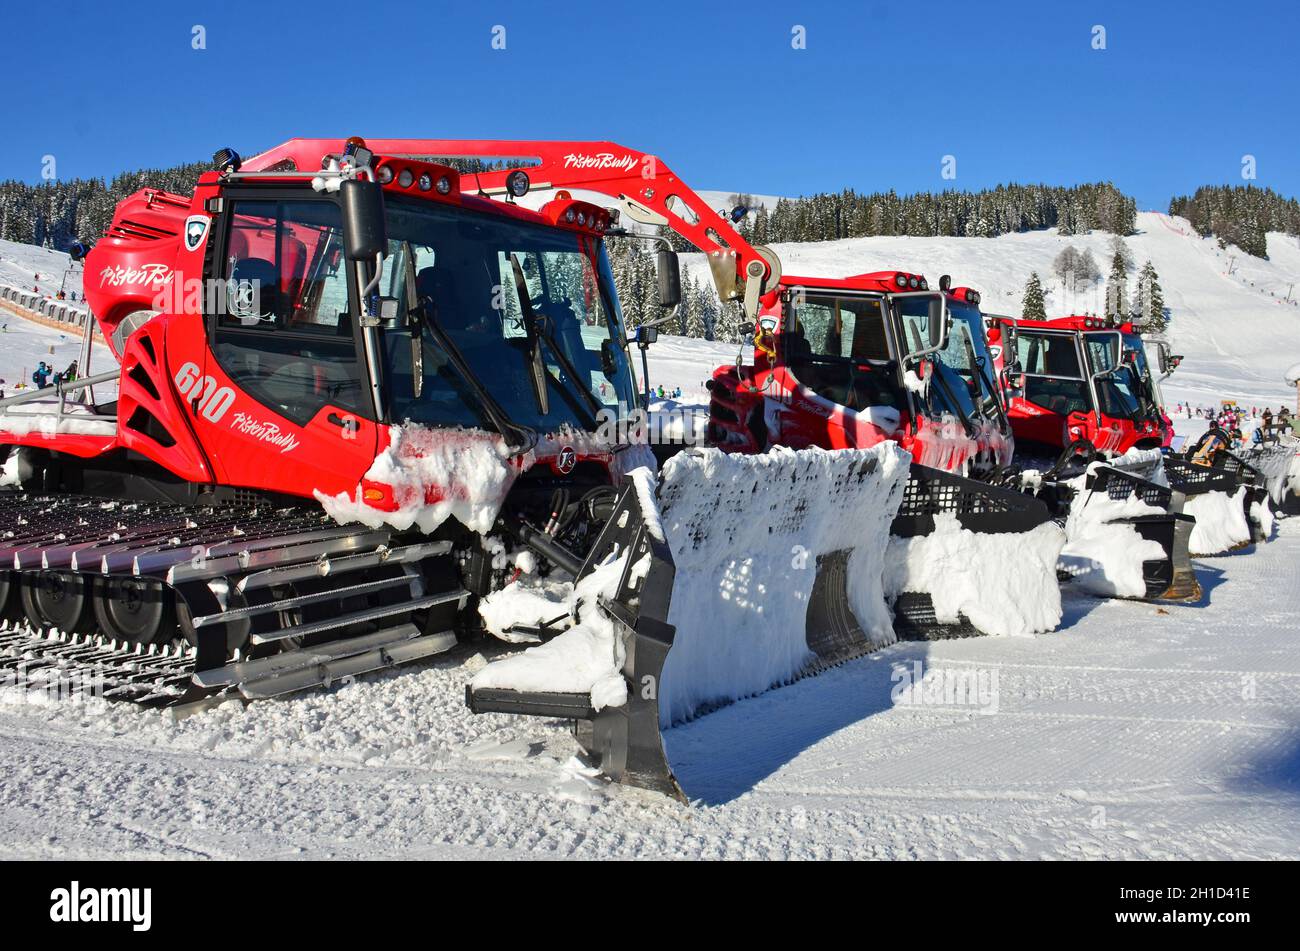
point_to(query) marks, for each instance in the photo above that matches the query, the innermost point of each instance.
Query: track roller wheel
(134, 609)
(235, 632)
(57, 599)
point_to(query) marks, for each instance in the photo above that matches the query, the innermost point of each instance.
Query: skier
(41, 376)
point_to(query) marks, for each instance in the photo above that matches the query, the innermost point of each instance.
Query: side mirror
(938, 322)
(78, 251)
(608, 365)
(670, 279)
(746, 330)
(364, 232)
(646, 336)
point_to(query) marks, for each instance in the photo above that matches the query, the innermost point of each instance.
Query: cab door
(282, 401)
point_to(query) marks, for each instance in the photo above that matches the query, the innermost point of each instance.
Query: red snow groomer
(839, 363)
(325, 328)
(1078, 378)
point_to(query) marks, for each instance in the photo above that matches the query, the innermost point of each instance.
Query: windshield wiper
(524, 438)
(539, 331)
(536, 368)
(951, 397)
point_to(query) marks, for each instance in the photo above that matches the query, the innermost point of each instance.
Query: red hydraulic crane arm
(648, 184)
(643, 186)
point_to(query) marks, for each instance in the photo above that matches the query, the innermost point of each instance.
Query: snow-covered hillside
(27, 266)
(1235, 329)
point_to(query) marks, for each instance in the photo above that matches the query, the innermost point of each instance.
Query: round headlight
(913, 283)
(405, 177)
(924, 285)
(901, 280)
(568, 216)
(582, 219)
(517, 183)
(384, 174)
(444, 185)
(426, 181)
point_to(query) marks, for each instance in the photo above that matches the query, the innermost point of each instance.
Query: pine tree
(1149, 303)
(1117, 287)
(1034, 307)
(1117, 246)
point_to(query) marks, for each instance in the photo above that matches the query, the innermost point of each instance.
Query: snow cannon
(731, 575)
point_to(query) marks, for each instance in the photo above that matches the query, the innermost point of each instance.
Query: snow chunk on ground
(1003, 583)
(1220, 521)
(435, 474)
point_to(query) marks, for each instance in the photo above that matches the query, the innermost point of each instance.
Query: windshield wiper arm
(498, 416)
(536, 369)
(539, 331)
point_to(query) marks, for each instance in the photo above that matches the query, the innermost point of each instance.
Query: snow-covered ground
(29, 267)
(1133, 731)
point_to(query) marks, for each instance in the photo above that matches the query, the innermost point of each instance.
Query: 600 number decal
(210, 401)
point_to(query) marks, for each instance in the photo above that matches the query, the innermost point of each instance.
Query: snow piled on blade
(434, 474)
(1002, 583)
(587, 658)
(1220, 521)
(745, 534)
(1103, 555)
(530, 603)
(1146, 464)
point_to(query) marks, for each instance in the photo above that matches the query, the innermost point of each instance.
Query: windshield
(1116, 392)
(956, 387)
(967, 354)
(464, 263)
(836, 345)
(1135, 357)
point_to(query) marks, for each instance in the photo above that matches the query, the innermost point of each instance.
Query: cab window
(283, 333)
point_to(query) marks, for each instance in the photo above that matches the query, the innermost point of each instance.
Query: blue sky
(881, 94)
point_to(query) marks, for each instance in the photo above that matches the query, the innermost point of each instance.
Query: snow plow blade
(736, 574)
(623, 740)
(979, 508)
(1170, 578)
(1226, 481)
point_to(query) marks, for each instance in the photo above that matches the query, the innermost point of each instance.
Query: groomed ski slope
(1132, 732)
